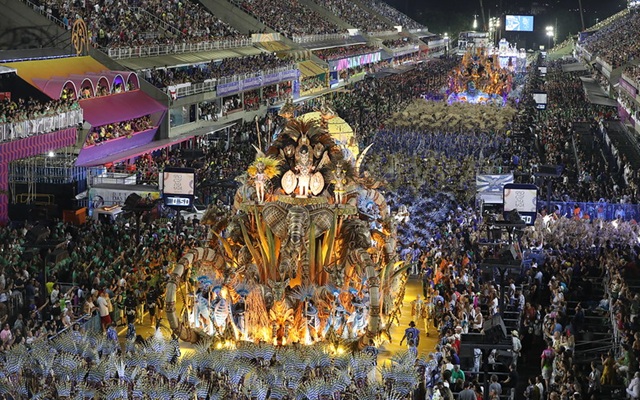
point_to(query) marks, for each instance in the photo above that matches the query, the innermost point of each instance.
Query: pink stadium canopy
(119, 107)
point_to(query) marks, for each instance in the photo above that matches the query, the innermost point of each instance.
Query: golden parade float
(306, 255)
(480, 79)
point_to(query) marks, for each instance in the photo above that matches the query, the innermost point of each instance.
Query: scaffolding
(51, 168)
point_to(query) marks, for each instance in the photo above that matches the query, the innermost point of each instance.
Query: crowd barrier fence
(39, 126)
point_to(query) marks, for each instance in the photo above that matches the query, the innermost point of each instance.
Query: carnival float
(306, 255)
(480, 79)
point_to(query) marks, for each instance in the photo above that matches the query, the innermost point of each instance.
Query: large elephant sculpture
(181, 270)
(291, 223)
(357, 240)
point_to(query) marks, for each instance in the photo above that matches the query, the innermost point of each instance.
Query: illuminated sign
(519, 23)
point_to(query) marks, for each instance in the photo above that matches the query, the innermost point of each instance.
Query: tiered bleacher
(616, 43)
(139, 28)
(356, 16)
(289, 17)
(393, 14)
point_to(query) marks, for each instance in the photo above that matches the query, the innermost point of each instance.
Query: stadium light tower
(550, 34)
(475, 21)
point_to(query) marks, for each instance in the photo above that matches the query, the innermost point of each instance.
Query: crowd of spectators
(231, 103)
(354, 15)
(209, 110)
(104, 133)
(141, 22)
(398, 43)
(336, 53)
(312, 83)
(237, 66)
(591, 177)
(442, 237)
(277, 93)
(394, 15)
(19, 110)
(251, 100)
(107, 271)
(615, 43)
(21, 118)
(633, 72)
(290, 17)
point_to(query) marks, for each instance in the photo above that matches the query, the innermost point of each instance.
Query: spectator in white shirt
(103, 308)
(633, 390)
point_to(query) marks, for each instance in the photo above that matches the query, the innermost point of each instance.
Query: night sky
(454, 16)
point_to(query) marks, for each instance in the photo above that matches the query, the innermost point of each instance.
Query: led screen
(180, 183)
(541, 100)
(519, 23)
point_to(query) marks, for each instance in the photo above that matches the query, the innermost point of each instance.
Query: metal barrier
(193, 88)
(41, 199)
(42, 11)
(383, 33)
(24, 172)
(240, 77)
(177, 48)
(40, 126)
(89, 322)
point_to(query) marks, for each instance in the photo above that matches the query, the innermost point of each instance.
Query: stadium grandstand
(100, 101)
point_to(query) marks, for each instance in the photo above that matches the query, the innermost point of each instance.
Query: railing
(121, 53)
(210, 85)
(39, 126)
(189, 89)
(42, 199)
(89, 322)
(631, 80)
(113, 178)
(404, 49)
(240, 77)
(319, 37)
(43, 11)
(383, 33)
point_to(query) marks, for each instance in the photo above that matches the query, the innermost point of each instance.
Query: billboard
(541, 100)
(518, 23)
(178, 186)
(523, 199)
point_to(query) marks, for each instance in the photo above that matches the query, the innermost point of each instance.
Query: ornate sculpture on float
(261, 172)
(307, 253)
(479, 79)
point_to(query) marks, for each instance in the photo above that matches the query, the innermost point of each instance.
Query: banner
(356, 61)
(99, 197)
(629, 87)
(492, 183)
(225, 89)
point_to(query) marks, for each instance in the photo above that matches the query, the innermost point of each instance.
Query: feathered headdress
(267, 165)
